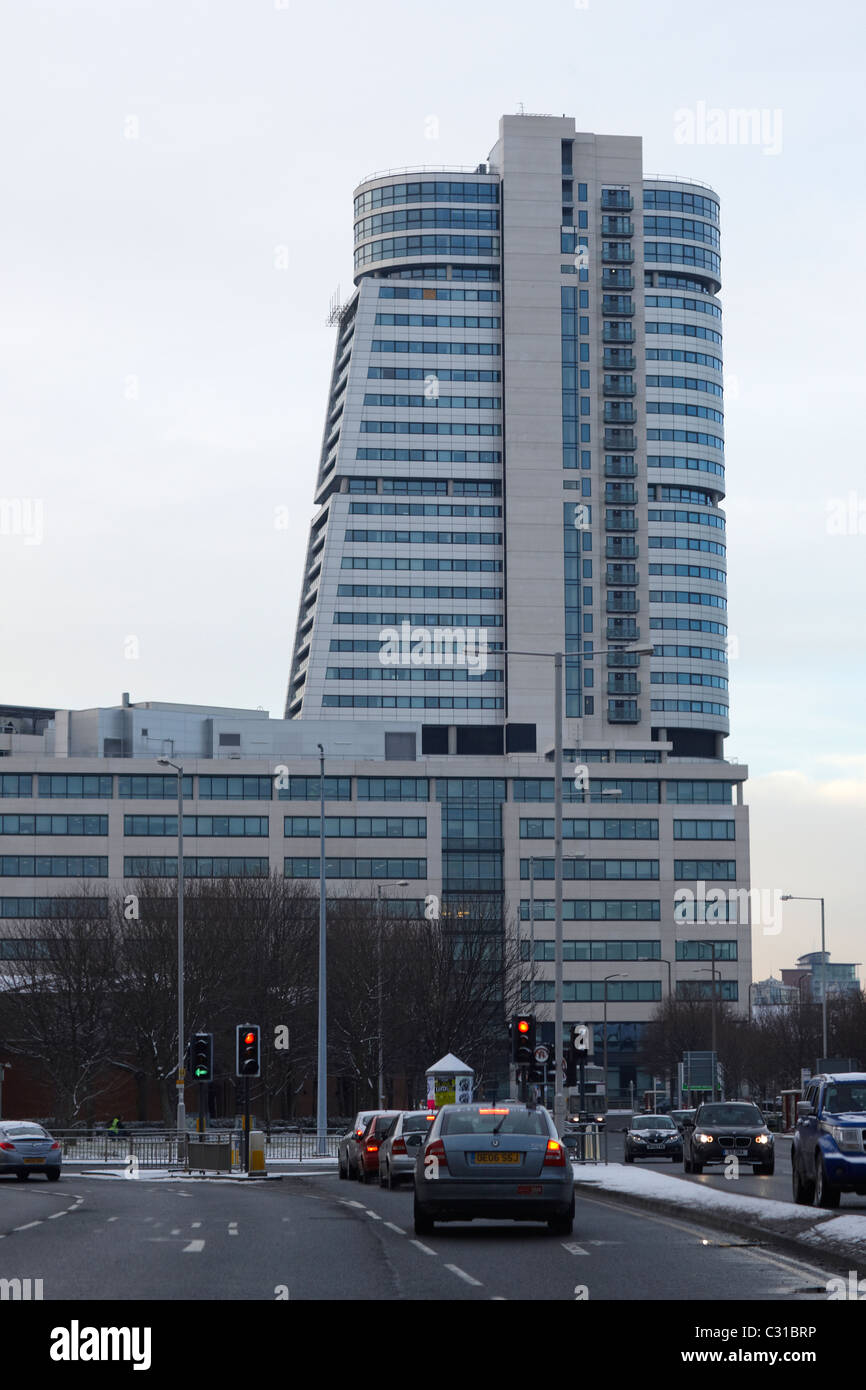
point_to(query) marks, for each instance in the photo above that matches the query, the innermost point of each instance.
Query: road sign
(541, 1054)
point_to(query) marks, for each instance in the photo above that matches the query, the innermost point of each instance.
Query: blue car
(829, 1149)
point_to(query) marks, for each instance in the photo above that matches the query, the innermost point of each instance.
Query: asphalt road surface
(777, 1187)
(310, 1236)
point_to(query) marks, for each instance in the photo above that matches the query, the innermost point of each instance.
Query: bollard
(257, 1151)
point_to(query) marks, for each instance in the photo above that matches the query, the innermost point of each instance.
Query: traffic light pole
(201, 1126)
(246, 1124)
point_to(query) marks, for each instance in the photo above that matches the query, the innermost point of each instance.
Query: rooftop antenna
(335, 310)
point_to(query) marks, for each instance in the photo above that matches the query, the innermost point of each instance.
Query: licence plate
(34, 1160)
(655, 1146)
(738, 1153)
(497, 1158)
(530, 1189)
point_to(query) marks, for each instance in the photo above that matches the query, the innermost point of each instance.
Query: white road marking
(233, 1228)
(574, 1249)
(425, 1248)
(498, 1298)
(112, 1218)
(392, 1227)
(461, 1274)
(195, 1224)
(28, 1226)
(54, 1215)
(195, 1246)
(176, 1231)
(356, 1204)
(373, 1214)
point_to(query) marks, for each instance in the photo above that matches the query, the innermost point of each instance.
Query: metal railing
(588, 1144)
(155, 1150)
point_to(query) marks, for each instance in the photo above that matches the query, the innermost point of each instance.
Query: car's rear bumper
(52, 1165)
(453, 1200)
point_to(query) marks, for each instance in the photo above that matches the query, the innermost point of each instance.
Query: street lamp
(795, 897)
(181, 1070)
(532, 859)
(668, 1071)
(400, 883)
(604, 1032)
(558, 659)
(702, 970)
(322, 1030)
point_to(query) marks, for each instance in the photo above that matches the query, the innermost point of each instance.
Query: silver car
(500, 1161)
(399, 1148)
(25, 1148)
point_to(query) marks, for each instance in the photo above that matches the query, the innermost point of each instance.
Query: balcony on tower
(623, 712)
(616, 200)
(617, 226)
(616, 520)
(620, 494)
(623, 440)
(622, 603)
(617, 252)
(619, 413)
(620, 575)
(619, 360)
(618, 333)
(620, 548)
(619, 386)
(620, 466)
(622, 304)
(622, 683)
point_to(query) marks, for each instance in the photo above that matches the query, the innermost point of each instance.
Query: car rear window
(411, 1123)
(25, 1132)
(496, 1121)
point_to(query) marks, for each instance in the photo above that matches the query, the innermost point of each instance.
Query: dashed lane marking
(194, 1247)
(392, 1227)
(373, 1214)
(461, 1274)
(27, 1226)
(426, 1248)
(574, 1249)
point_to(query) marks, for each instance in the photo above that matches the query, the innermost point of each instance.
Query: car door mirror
(805, 1108)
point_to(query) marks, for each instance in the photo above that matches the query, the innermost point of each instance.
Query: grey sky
(164, 379)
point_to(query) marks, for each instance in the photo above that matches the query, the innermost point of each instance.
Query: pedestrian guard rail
(588, 1144)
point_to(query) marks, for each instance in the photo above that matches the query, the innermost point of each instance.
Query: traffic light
(523, 1039)
(249, 1056)
(201, 1056)
(570, 1066)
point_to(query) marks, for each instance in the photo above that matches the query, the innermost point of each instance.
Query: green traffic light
(201, 1071)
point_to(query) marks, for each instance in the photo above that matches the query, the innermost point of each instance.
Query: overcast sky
(177, 184)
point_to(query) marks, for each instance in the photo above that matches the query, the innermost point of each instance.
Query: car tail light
(56, 1144)
(398, 1146)
(359, 1134)
(436, 1150)
(7, 1146)
(555, 1156)
(372, 1148)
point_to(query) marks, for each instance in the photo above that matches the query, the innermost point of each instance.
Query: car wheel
(803, 1191)
(826, 1196)
(676, 1158)
(22, 1176)
(389, 1179)
(423, 1224)
(362, 1173)
(697, 1167)
(341, 1171)
(629, 1158)
(52, 1174)
(687, 1165)
(562, 1225)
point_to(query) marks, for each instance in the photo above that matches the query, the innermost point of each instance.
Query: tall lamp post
(181, 1065)
(604, 1033)
(703, 969)
(795, 897)
(668, 1070)
(322, 1030)
(558, 659)
(400, 883)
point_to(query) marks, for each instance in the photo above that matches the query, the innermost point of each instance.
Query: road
(778, 1187)
(310, 1236)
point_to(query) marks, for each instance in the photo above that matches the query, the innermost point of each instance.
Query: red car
(368, 1144)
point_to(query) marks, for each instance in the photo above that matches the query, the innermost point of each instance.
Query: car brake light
(7, 1146)
(494, 1112)
(56, 1144)
(359, 1134)
(372, 1148)
(398, 1146)
(436, 1150)
(555, 1156)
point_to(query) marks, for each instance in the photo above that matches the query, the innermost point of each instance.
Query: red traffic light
(523, 1025)
(249, 1039)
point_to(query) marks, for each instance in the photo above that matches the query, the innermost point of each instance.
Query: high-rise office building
(524, 440)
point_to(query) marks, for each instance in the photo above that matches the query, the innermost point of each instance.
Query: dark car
(26, 1147)
(347, 1153)
(721, 1129)
(368, 1144)
(828, 1155)
(682, 1117)
(653, 1136)
(505, 1162)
